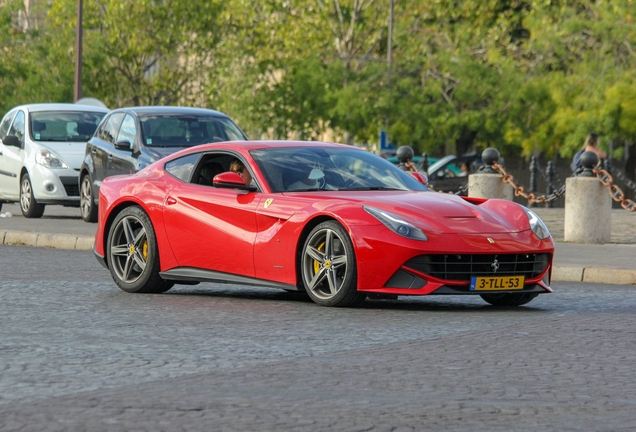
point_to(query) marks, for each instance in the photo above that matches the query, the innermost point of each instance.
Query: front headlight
(536, 224)
(396, 224)
(49, 160)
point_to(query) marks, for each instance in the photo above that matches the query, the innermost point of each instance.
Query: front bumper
(58, 186)
(385, 261)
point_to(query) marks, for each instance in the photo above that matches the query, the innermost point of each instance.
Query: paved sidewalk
(613, 263)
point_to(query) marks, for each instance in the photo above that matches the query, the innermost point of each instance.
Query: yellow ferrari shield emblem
(268, 202)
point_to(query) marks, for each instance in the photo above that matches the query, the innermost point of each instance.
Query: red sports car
(331, 220)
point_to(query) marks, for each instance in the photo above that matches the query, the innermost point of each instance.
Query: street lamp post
(78, 53)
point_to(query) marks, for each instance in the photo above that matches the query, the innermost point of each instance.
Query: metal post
(425, 162)
(78, 53)
(550, 189)
(534, 168)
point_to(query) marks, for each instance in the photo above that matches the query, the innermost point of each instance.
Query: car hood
(72, 153)
(434, 212)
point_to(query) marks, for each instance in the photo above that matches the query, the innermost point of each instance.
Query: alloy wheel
(324, 264)
(129, 249)
(26, 194)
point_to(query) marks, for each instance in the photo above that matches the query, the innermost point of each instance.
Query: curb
(604, 275)
(55, 241)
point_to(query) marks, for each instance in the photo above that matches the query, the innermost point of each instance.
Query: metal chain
(618, 172)
(521, 191)
(615, 192)
(546, 177)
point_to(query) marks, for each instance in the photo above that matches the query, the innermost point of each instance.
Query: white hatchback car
(41, 151)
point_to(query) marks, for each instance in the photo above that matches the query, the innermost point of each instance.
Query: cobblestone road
(77, 354)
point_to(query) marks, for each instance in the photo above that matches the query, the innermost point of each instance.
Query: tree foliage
(525, 76)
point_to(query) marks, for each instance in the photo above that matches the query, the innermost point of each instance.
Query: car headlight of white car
(396, 224)
(536, 224)
(49, 160)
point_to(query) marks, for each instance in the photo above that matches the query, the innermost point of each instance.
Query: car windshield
(65, 126)
(187, 130)
(291, 169)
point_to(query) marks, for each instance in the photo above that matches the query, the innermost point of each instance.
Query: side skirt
(191, 274)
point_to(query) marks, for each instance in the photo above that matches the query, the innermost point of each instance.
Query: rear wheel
(87, 202)
(28, 205)
(133, 256)
(328, 267)
(506, 299)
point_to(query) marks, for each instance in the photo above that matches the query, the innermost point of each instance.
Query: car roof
(257, 144)
(176, 110)
(62, 107)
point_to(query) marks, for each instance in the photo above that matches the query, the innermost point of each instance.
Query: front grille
(463, 267)
(71, 186)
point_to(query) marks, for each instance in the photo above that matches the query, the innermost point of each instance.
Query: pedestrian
(590, 144)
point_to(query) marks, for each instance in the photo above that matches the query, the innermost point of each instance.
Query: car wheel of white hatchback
(29, 206)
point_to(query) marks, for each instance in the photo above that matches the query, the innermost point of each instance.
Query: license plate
(496, 283)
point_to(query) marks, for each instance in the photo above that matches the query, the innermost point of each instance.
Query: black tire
(508, 299)
(328, 269)
(28, 205)
(87, 201)
(132, 253)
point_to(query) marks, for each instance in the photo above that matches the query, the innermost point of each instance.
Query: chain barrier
(521, 191)
(547, 179)
(615, 192)
(618, 172)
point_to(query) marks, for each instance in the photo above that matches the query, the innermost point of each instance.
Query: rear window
(187, 130)
(64, 126)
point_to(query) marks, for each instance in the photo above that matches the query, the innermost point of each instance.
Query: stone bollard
(588, 206)
(487, 183)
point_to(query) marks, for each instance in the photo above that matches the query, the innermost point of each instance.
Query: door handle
(94, 150)
(110, 158)
(170, 200)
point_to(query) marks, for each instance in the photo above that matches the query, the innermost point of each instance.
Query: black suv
(129, 139)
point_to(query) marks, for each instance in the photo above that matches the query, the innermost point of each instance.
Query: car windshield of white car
(187, 130)
(303, 169)
(64, 126)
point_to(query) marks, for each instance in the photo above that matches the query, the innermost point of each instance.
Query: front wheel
(133, 255)
(506, 299)
(28, 205)
(87, 202)
(328, 266)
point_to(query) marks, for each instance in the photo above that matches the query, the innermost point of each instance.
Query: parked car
(41, 151)
(332, 221)
(129, 139)
(446, 174)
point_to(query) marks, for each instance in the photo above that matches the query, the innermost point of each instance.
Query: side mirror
(123, 145)
(12, 140)
(231, 180)
(420, 177)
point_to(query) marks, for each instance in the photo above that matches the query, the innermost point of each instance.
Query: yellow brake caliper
(144, 250)
(316, 263)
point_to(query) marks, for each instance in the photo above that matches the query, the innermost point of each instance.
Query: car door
(12, 159)
(102, 146)
(4, 130)
(123, 161)
(210, 228)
